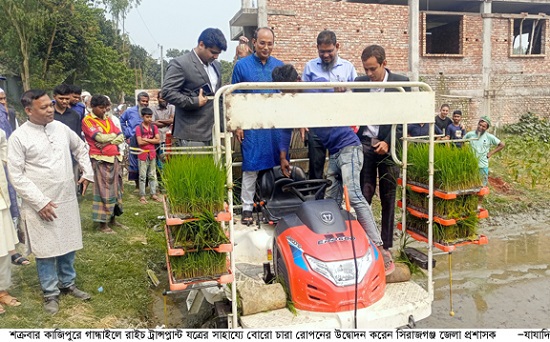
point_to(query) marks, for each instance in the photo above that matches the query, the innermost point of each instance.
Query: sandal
(8, 300)
(389, 265)
(247, 218)
(18, 259)
(143, 200)
(156, 198)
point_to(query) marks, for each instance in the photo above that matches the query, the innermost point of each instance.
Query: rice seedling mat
(422, 213)
(174, 219)
(442, 245)
(447, 195)
(175, 250)
(177, 284)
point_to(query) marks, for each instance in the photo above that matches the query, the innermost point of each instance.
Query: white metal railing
(297, 108)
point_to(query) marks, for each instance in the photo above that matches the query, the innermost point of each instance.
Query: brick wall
(518, 84)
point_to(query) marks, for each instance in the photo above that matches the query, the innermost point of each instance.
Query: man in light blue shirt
(482, 146)
(328, 67)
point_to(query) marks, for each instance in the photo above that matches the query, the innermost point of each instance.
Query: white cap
(2, 90)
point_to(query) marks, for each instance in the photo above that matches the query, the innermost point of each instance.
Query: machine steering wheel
(302, 188)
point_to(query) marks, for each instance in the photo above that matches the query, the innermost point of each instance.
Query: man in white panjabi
(8, 236)
(40, 169)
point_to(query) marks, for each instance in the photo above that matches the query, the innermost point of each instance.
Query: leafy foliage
(48, 42)
(530, 139)
(530, 125)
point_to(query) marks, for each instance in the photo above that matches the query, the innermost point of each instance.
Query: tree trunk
(50, 46)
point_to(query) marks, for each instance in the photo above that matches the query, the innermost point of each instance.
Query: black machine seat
(274, 201)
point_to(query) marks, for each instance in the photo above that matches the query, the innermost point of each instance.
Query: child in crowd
(147, 135)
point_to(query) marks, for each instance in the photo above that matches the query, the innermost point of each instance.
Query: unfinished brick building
(480, 56)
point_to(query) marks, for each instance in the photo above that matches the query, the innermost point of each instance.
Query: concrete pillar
(246, 3)
(414, 39)
(262, 13)
(486, 7)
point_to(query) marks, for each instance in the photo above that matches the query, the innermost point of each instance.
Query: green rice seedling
(463, 230)
(194, 183)
(454, 168)
(289, 302)
(198, 265)
(402, 257)
(205, 232)
(462, 206)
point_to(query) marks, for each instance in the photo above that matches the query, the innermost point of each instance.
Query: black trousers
(317, 154)
(380, 168)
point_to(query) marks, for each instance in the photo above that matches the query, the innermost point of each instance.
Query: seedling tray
(442, 245)
(180, 251)
(421, 213)
(448, 195)
(174, 219)
(206, 281)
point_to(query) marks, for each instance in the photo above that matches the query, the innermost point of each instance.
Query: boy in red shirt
(147, 135)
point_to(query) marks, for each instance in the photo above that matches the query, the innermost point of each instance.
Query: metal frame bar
(235, 104)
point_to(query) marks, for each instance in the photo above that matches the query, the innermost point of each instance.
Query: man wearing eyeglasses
(259, 147)
(328, 67)
(189, 80)
(376, 140)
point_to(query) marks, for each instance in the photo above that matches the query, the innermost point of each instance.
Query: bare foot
(107, 230)
(142, 200)
(156, 198)
(114, 223)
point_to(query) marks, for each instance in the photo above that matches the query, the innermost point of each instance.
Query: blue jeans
(55, 273)
(344, 169)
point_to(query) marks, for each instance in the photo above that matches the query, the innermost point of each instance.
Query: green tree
(107, 73)
(146, 68)
(173, 53)
(24, 20)
(227, 70)
(119, 8)
(48, 42)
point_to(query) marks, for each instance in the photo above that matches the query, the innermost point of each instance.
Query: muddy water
(504, 284)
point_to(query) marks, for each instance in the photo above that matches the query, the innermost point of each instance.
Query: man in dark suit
(376, 142)
(188, 81)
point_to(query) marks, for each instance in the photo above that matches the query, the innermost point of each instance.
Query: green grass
(115, 262)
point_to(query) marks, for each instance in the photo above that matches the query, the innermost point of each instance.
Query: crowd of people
(77, 137)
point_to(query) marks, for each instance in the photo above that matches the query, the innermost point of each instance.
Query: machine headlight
(342, 272)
